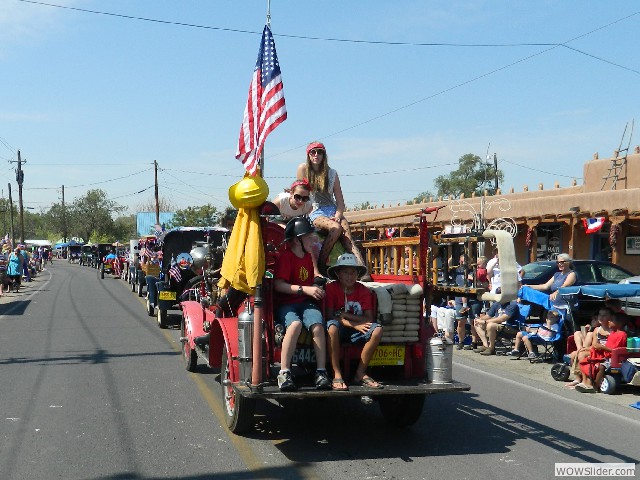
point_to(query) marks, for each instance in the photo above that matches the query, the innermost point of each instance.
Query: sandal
(369, 382)
(335, 385)
(572, 385)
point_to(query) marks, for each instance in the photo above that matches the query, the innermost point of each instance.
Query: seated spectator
(565, 277)
(545, 331)
(593, 367)
(499, 318)
(351, 311)
(599, 335)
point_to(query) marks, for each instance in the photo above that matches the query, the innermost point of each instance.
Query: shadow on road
(17, 307)
(95, 357)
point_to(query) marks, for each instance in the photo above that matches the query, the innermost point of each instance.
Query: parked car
(588, 272)
(631, 305)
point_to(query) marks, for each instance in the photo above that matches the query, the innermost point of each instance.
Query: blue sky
(89, 98)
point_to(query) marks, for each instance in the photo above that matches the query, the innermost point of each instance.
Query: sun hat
(346, 260)
(313, 145)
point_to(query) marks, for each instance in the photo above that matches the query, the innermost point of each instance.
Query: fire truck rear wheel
(401, 410)
(188, 354)
(238, 410)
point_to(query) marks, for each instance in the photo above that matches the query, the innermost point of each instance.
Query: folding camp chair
(550, 352)
(506, 339)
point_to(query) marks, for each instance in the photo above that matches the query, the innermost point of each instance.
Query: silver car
(631, 305)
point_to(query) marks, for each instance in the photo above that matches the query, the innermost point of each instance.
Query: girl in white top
(294, 201)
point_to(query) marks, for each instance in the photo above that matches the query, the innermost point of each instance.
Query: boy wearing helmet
(297, 297)
(351, 311)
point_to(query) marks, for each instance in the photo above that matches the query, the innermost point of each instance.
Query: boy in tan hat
(350, 309)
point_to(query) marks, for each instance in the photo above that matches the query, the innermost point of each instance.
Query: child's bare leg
(348, 243)
(319, 345)
(333, 231)
(599, 376)
(367, 353)
(334, 350)
(289, 344)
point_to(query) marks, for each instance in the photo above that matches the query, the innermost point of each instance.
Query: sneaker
(459, 346)
(285, 381)
(514, 353)
(488, 351)
(471, 347)
(532, 356)
(479, 349)
(322, 380)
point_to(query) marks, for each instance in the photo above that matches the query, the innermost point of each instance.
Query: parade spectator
(599, 334)
(297, 299)
(593, 367)
(350, 308)
(14, 268)
(498, 319)
(545, 331)
(565, 277)
(494, 275)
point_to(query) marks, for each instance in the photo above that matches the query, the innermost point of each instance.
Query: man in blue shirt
(500, 317)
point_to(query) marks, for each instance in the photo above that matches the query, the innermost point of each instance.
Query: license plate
(388, 355)
(167, 295)
(304, 355)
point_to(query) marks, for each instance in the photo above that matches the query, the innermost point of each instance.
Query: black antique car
(87, 254)
(184, 257)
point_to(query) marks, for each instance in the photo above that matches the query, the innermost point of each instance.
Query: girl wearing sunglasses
(328, 203)
(294, 201)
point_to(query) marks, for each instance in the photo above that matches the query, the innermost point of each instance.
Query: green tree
(421, 197)
(203, 216)
(472, 175)
(362, 206)
(92, 215)
(124, 228)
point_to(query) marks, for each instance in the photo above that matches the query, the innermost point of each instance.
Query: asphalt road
(93, 389)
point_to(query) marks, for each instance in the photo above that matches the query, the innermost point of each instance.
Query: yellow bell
(250, 192)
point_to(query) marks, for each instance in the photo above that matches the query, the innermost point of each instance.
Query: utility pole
(13, 240)
(64, 219)
(20, 180)
(495, 171)
(155, 168)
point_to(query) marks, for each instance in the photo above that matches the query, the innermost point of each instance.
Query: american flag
(174, 272)
(265, 108)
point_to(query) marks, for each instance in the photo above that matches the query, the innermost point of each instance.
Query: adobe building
(545, 221)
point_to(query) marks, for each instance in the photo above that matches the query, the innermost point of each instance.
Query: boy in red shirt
(593, 367)
(297, 297)
(351, 311)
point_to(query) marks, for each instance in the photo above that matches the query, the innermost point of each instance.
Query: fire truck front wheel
(401, 410)
(238, 410)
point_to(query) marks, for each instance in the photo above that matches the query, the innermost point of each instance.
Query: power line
(91, 184)
(541, 171)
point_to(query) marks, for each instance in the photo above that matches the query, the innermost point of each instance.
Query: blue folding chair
(548, 344)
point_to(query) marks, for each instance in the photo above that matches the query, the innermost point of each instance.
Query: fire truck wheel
(401, 410)
(162, 318)
(188, 354)
(238, 410)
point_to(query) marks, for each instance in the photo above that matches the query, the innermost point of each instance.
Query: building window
(549, 241)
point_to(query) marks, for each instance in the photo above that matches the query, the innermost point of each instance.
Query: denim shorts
(348, 334)
(328, 211)
(307, 312)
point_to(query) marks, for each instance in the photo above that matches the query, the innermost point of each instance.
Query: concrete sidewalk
(26, 288)
(538, 372)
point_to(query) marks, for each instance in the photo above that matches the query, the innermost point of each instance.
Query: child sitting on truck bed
(297, 299)
(350, 308)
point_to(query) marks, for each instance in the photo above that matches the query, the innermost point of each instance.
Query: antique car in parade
(230, 325)
(184, 259)
(87, 255)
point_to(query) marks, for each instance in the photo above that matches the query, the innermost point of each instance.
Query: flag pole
(269, 13)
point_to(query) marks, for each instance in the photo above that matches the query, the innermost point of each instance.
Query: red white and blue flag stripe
(265, 108)
(592, 225)
(174, 272)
